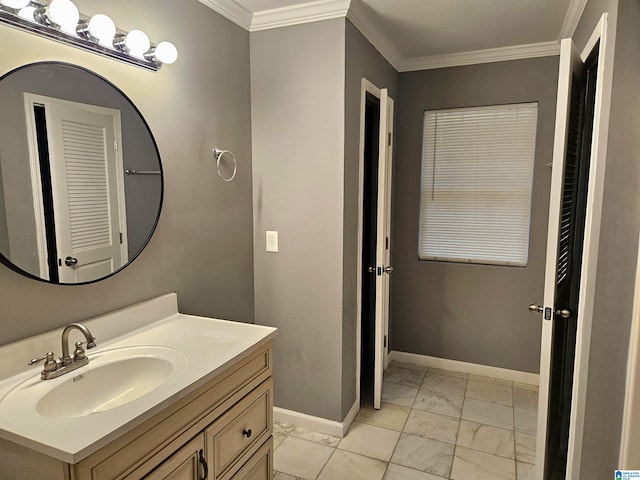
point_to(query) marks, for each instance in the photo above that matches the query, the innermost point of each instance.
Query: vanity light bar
(60, 20)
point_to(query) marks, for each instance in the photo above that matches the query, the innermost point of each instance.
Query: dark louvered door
(570, 247)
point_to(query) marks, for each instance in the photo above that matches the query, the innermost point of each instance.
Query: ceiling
(418, 34)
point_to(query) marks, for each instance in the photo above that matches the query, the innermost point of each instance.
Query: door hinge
(385, 341)
(389, 139)
(115, 145)
(387, 243)
(120, 238)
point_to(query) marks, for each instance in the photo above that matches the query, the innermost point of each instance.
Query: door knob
(560, 312)
(371, 269)
(535, 308)
(70, 261)
(564, 313)
(388, 269)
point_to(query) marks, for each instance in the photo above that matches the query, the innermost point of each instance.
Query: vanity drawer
(241, 430)
(258, 467)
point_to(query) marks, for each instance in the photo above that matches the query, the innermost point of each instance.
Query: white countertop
(209, 345)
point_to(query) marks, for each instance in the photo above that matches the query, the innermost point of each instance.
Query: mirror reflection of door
(80, 213)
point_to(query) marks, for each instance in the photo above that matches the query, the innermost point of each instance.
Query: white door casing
(630, 438)
(600, 37)
(88, 187)
(36, 185)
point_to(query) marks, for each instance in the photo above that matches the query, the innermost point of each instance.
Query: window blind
(477, 173)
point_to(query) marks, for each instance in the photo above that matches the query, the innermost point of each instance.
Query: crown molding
(572, 18)
(231, 10)
(503, 54)
(297, 14)
(376, 36)
(326, 9)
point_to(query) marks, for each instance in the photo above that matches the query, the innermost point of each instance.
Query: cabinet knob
(247, 432)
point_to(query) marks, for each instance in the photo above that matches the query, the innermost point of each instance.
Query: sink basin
(104, 387)
(111, 379)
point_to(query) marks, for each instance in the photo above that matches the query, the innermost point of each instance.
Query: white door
(569, 63)
(88, 190)
(383, 269)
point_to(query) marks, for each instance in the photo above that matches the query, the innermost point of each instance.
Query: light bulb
(102, 28)
(65, 14)
(166, 52)
(137, 43)
(15, 4)
(28, 13)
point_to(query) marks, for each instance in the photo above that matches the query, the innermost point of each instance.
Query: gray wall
(471, 313)
(202, 248)
(618, 247)
(361, 60)
(297, 94)
(307, 190)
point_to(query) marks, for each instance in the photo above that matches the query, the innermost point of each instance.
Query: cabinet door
(259, 466)
(188, 463)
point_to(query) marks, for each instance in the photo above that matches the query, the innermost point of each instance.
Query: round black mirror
(81, 181)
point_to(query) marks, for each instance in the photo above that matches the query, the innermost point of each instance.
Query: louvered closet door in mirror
(88, 190)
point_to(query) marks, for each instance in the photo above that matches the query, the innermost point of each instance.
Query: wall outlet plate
(272, 241)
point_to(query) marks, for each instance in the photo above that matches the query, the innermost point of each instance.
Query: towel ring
(218, 154)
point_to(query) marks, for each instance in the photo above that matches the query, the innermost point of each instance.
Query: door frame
(593, 218)
(591, 239)
(630, 437)
(36, 185)
(365, 87)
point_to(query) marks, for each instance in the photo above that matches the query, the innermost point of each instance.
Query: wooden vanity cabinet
(225, 423)
(231, 443)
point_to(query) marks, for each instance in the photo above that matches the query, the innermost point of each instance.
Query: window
(477, 172)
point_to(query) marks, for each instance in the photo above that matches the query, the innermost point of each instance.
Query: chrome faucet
(53, 369)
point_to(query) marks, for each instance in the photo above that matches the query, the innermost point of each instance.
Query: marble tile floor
(434, 424)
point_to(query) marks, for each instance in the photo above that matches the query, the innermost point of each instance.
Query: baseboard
(473, 368)
(351, 416)
(317, 424)
(339, 429)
